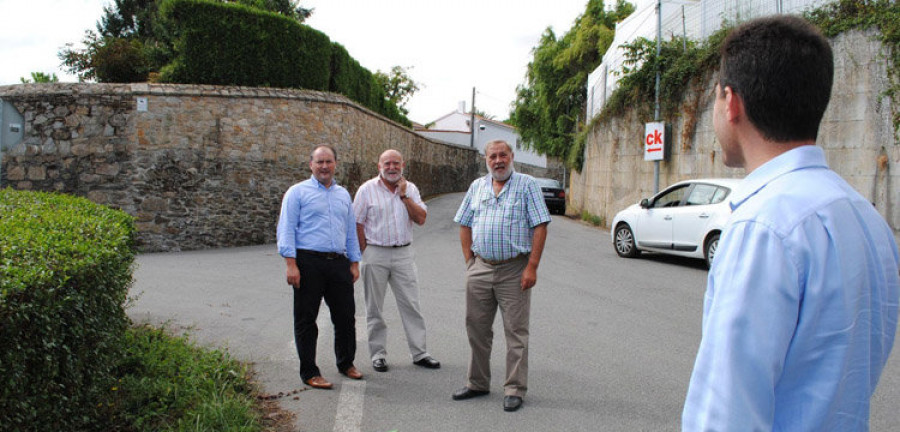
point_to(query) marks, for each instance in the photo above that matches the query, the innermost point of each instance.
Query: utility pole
(472, 121)
(656, 108)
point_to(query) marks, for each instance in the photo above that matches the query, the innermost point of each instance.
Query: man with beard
(385, 208)
(503, 226)
(317, 239)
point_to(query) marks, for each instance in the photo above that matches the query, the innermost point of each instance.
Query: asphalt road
(612, 340)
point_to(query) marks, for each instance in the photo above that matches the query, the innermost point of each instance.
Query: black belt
(499, 262)
(393, 246)
(326, 255)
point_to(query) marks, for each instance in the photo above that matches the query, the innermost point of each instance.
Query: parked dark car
(554, 195)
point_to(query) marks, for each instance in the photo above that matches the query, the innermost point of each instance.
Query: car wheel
(709, 249)
(625, 245)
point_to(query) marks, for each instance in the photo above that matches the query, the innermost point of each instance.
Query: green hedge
(231, 44)
(65, 270)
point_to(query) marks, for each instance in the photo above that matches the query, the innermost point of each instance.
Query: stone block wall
(206, 166)
(857, 134)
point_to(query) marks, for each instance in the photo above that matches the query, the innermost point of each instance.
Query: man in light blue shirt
(317, 238)
(800, 310)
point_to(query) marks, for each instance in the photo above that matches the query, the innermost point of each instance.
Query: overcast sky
(450, 45)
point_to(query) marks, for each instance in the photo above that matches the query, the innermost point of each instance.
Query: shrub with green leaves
(232, 44)
(65, 270)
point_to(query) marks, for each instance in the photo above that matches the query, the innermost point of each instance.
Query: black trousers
(330, 279)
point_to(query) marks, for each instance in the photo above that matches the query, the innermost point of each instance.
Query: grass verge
(592, 218)
(166, 383)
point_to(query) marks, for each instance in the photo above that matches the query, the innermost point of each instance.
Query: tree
(483, 114)
(398, 86)
(289, 8)
(550, 103)
(40, 77)
(132, 42)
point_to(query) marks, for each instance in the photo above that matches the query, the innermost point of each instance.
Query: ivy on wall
(687, 65)
(884, 15)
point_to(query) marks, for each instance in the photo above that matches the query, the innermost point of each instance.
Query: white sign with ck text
(654, 141)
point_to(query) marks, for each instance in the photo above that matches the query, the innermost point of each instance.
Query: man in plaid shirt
(503, 226)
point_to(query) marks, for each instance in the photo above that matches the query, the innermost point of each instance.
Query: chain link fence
(693, 19)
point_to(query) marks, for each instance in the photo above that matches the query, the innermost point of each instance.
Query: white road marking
(349, 414)
(350, 406)
(353, 393)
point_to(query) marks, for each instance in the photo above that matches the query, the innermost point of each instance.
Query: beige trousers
(397, 267)
(487, 288)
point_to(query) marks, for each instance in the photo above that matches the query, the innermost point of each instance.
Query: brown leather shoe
(319, 383)
(352, 372)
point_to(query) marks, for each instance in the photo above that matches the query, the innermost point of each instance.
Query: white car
(685, 219)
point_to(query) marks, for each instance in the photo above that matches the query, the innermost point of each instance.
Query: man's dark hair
(782, 67)
(313, 152)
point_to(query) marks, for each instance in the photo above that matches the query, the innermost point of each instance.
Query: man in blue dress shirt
(317, 238)
(800, 310)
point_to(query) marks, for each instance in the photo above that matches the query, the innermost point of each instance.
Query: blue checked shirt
(502, 226)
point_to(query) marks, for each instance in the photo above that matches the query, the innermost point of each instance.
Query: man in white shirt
(801, 304)
(385, 208)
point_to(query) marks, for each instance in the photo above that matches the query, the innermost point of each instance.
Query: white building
(454, 128)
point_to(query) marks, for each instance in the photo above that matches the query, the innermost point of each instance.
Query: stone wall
(857, 134)
(206, 166)
(555, 169)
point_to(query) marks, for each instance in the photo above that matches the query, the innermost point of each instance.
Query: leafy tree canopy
(548, 105)
(398, 86)
(40, 77)
(132, 42)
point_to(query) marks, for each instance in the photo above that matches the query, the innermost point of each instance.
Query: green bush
(121, 61)
(65, 270)
(341, 65)
(231, 44)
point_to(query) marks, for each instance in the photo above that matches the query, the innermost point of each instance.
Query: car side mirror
(645, 203)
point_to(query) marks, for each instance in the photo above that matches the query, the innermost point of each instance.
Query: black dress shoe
(512, 403)
(467, 393)
(379, 365)
(428, 362)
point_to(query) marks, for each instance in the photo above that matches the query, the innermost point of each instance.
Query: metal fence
(694, 19)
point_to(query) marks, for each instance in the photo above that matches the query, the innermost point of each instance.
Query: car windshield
(548, 183)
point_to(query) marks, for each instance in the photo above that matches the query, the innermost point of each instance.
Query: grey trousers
(397, 267)
(487, 288)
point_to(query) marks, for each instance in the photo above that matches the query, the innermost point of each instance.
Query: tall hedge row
(65, 270)
(231, 44)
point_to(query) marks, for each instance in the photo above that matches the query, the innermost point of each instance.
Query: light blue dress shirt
(801, 305)
(503, 225)
(317, 218)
